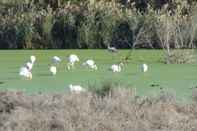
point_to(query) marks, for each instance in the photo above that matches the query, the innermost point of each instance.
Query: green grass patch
(179, 79)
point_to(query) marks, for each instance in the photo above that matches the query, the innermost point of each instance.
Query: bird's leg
(68, 66)
(72, 65)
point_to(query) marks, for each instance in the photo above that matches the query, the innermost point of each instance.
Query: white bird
(26, 73)
(90, 64)
(76, 88)
(53, 70)
(112, 49)
(94, 67)
(56, 59)
(144, 67)
(33, 59)
(71, 61)
(116, 68)
(29, 65)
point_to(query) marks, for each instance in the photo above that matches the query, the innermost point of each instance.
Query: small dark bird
(154, 85)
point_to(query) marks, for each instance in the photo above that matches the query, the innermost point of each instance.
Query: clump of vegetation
(180, 57)
(194, 94)
(176, 30)
(105, 90)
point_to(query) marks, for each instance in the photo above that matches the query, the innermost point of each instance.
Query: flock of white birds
(26, 70)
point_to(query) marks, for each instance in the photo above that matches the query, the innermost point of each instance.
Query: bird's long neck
(108, 46)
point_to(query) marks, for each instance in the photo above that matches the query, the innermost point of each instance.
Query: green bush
(97, 29)
(64, 30)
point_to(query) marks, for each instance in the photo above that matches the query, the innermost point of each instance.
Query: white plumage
(73, 58)
(33, 59)
(111, 49)
(53, 70)
(144, 67)
(56, 59)
(90, 64)
(116, 68)
(76, 88)
(29, 65)
(71, 61)
(94, 67)
(26, 73)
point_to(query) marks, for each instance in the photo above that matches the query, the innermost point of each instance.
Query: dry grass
(121, 110)
(182, 56)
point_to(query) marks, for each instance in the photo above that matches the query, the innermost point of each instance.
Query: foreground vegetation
(119, 110)
(38, 24)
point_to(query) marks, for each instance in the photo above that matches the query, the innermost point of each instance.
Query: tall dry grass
(121, 110)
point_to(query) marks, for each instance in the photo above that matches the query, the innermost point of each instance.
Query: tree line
(66, 24)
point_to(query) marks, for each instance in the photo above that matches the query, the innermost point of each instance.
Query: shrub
(122, 111)
(100, 20)
(24, 32)
(194, 94)
(105, 90)
(43, 24)
(181, 57)
(64, 30)
(176, 31)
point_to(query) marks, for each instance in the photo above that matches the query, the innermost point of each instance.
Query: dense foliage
(46, 24)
